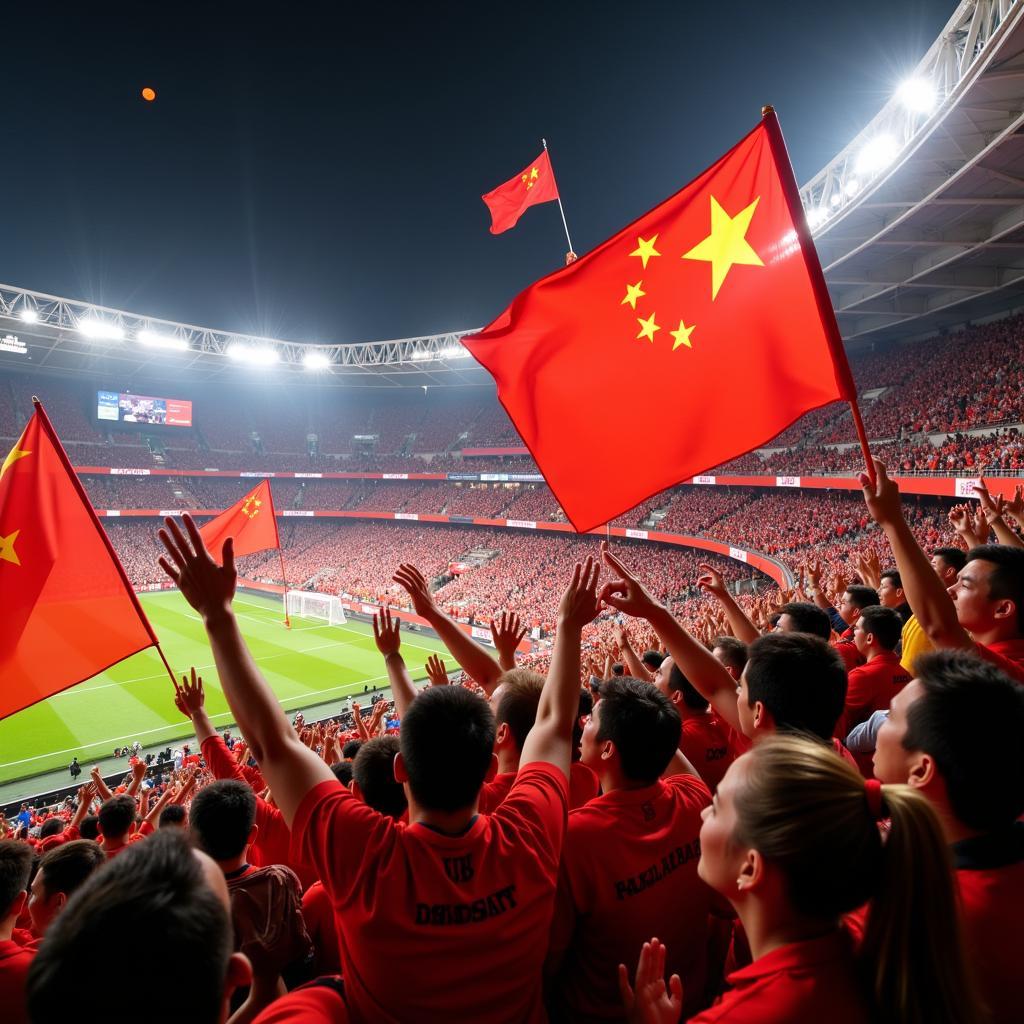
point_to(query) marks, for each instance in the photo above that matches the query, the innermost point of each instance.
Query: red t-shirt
(705, 744)
(801, 983)
(1007, 655)
(629, 871)
(320, 1002)
(871, 687)
(14, 965)
(408, 898)
(319, 917)
(847, 649)
(583, 785)
(494, 792)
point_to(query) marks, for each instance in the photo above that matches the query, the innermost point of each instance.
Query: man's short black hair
(894, 575)
(862, 596)
(157, 889)
(955, 558)
(1007, 579)
(517, 704)
(172, 814)
(652, 659)
(678, 683)
(618, 669)
(15, 868)
(447, 742)
(799, 679)
(884, 623)
(343, 772)
(970, 719)
(221, 818)
(66, 867)
(349, 751)
(807, 618)
(374, 773)
(642, 723)
(90, 827)
(53, 826)
(734, 651)
(116, 816)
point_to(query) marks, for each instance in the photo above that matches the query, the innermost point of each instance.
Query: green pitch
(310, 664)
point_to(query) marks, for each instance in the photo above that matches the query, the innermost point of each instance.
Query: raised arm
(102, 789)
(550, 739)
(85, 795)
(711, 582)
(290, 768)
(696, 662)
(994, 509)
(925, 592)
(508, 633)
(386, 636)
(475, 661)
(190, 700)
(637, 669)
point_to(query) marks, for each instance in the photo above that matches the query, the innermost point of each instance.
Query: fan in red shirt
(792, 841)
(629, 866)
(870, 687)
(61, 873)
(954, 733)
(452, 887)
(15, 866)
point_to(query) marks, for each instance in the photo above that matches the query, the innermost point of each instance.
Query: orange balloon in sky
(149, 94)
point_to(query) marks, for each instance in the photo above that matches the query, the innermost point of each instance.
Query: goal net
(305, 605)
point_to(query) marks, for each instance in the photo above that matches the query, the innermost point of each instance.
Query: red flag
(250, 521)
(694, 335)
(508, 202)
(67, 610)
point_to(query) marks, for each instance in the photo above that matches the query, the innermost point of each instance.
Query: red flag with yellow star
(508, 202)
(67, 610)
(250, 521)
(692, 336)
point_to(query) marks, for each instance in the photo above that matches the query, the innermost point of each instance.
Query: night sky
(313, 172)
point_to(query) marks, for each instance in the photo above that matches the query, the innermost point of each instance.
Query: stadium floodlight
(835, 199)
(152, 339)
(816, 215)
(454, 352)
(29, 315)
(100, 330)
(253, 354)
(852, 187)
(316, 361)
(917, 95)
(420, 354)
(877, 154)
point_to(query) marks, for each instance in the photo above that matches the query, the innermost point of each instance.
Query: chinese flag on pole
(692, 336)
(250, 521)
(67, 610)
(508, 202)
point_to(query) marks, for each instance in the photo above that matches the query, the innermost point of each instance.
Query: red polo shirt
(801, 983)
(14, 964)
(467, 917)
(1007, 655)
(871, 687)
(705, 743)
(629, 871)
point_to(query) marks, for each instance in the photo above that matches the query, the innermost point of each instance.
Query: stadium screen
(143, 409)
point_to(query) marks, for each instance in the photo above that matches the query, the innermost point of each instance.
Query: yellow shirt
(915, 642)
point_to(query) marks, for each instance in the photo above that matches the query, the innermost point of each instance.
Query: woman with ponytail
(792, 841)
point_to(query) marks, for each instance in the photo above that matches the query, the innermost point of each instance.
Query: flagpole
(561, 209)
(163, 658)
(284, 579)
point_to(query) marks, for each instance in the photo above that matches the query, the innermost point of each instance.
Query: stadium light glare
(877, 154)
(454, 352)
(316, 361)
(252, 354)
(420, 354)
(100, 330)
(835, 199)
(917, 95)
(852, 187)
(30, 316)
(152, 339)
(816, 215)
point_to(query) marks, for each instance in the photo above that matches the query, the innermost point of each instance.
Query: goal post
(306, 605)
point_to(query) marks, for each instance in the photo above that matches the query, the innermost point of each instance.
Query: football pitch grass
(312, 663)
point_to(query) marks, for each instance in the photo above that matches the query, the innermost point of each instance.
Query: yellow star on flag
(645, 250)
(647, 328)
(682, 336)
(727, 244)
(7, 552)
(12, 457)
(633, 292)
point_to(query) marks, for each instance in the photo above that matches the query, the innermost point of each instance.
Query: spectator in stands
(116, 817)
(173, 817)
(946, 563)
(890, 593)
(15, 866)
(871, 687)
(954, 734)
(732, 653)
(61, 872)
(373, 777)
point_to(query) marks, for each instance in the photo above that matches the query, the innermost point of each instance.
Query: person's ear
(253, 833)
(762, 719)
(401, 774)
(751, 874)
(501, 737)
(922, 771)
(608, 750)
(237, 976)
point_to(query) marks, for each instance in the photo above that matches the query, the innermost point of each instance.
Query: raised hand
(710, 580)
(650, 1002)
(414, 583)
(386, 632)
(189, 698)
(508, 633)
(626, 594)
(1015, 506)
(209, 588)
(580, 603)
(436, 671)
(882, 497)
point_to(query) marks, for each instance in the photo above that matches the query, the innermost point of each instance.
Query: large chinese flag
(67, 610)
(692, 336)
(508, 202)
(250, 521)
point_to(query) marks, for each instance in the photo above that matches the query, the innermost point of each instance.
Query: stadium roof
(919, 223)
